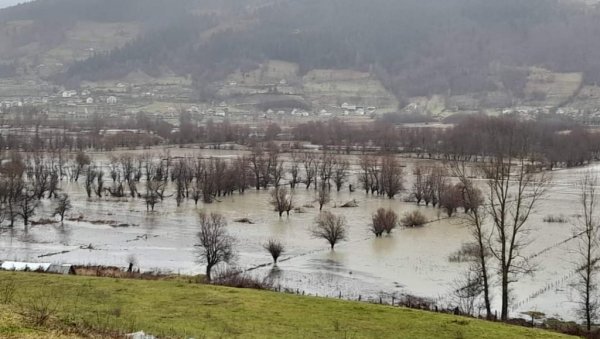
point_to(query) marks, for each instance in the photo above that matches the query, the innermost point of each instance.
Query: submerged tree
(475, 216)
(282, 200)
(323, 196)
(383, 221)
(63, 206)
(275, 248)
(331, 228)
(215, 244)
(588, 251)
(513, 191)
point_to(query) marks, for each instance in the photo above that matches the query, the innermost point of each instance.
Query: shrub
(561, 219)
(275, 248)
(235, 278)
(384, 221)
(8, 288)
(413, 219)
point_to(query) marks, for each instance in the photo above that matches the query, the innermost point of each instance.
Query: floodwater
(412, 261)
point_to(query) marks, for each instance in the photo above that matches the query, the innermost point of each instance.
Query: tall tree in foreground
(588, 251)
(330, 227)
(475, 217)
(513, 191)
(215, 243)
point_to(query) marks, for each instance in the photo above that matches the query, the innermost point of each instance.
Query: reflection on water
(407, 261)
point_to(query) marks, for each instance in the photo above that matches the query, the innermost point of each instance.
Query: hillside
(478, 54)
(182, 309)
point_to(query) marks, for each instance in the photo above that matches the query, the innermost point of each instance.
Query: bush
(466, 253)
(561, 219)
(413, 219)
(8, 288)
(383, 221)
(40, 308)
(275, 248)
(237, 279)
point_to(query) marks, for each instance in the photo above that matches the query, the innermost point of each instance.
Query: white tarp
(24, 266)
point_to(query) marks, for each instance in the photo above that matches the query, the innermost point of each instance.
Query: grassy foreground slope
(181, 309)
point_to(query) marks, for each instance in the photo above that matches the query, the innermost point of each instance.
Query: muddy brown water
(413, 261)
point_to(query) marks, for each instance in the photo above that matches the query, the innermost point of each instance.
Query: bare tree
(383, 221)
(310, 170)
(99, 183)
(588, 251)
(467, 290)
(340, 172)
(419, 189)
(294, 170)
(391, 176)
(215, 244)
(26, 205)
(323, 196)
(275, 248)
(513, 193)
(413, 219)
(282, 200)
(81, 160)
(369, 175)
(63, 206)
(475, 216)
(451, 199)
(331, 228)
(90, 177)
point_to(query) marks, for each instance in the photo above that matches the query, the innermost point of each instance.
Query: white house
(111, 100)
(69, 94)
(89, 101)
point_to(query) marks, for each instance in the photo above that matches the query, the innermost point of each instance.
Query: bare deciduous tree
(63, 205)
(419, 188)
(26, 205)
(215, 244)
(330, 227)
(475, 216)
(275, 248)
(294, 170)
(383, 221)
(588, 251)
(323, 196)
(391, 176)
(513, 193)
(282, 200)
(340, 172)
(413, 219)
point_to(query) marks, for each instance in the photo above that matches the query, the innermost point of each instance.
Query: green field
(181, 309)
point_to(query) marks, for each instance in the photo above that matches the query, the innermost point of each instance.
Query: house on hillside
(111, 100)
(69, 94)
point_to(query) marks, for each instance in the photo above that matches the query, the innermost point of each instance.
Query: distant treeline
(546, 142)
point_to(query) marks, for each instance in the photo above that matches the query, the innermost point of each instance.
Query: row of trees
(545, 142)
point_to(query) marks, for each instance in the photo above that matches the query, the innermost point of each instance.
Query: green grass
(181, 309)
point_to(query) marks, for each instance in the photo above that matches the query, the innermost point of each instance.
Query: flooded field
(413, 261)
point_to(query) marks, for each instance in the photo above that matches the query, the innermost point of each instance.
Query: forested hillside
(416, 48)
